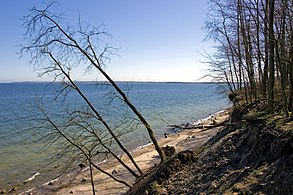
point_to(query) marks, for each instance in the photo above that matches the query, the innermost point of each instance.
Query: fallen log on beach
(203, 126)
(200, 126)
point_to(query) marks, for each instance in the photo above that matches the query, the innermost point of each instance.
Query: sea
(25, 158)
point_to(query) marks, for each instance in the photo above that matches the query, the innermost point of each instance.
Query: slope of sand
(190, 137)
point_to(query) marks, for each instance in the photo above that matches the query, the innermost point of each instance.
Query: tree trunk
(238, 44)
(290, 104)
(266, 51)
(271, 57)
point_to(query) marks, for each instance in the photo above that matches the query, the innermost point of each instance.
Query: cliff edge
(252, 154)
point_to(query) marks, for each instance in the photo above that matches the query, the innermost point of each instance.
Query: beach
(184, 137)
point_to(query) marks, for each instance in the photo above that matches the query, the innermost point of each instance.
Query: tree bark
(271, 57)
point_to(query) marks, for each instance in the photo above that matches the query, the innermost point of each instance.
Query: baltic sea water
(22, 155)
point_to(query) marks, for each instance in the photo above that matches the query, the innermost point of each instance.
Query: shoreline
(77, 182)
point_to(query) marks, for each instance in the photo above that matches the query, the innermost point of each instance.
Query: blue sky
(158, 40)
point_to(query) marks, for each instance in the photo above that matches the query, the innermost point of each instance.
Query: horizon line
(186, 82)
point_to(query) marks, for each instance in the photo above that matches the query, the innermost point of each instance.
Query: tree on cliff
(254, 49)
(57, 49)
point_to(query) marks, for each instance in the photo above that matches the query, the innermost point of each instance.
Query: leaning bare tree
(60, 50)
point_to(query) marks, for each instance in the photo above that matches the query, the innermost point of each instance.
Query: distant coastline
(122, 82)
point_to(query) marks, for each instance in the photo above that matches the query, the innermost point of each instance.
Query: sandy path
(145, 156)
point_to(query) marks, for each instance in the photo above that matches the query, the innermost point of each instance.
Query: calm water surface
(21, 154)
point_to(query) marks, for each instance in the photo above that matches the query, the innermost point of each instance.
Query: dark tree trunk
(271, 57)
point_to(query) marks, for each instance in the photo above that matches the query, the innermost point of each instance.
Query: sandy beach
(189, 136)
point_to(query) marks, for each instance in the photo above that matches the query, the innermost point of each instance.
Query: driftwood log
(201, 126)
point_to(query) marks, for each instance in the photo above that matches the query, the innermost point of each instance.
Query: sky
(157, 40)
